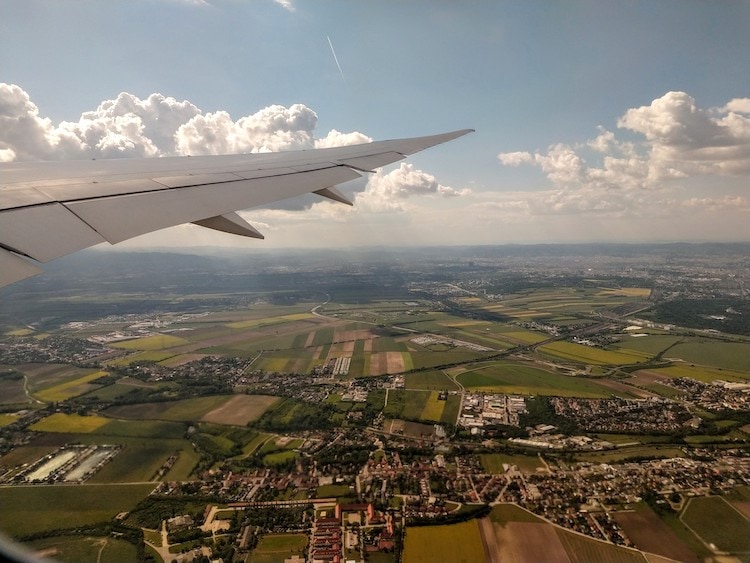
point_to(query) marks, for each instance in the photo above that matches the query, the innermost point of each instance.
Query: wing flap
(230, 223)
(123, 217)
(44, 232)
(14, 268)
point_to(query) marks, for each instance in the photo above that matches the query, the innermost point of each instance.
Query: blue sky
(595, 121)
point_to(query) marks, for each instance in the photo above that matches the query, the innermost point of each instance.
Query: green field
(702, 514)
(430, 380)
(274, 548)
(69, 423)
(652, 344)
(183, 410)
(493, 463)
(704, 352)
(522, 379)
(150, 343)
(85, 549)
(6, 419)
(28, 510)
(70, 388)
(327, 491)
(701, 373)
(456, 543)
(593, 356)
(433, 408)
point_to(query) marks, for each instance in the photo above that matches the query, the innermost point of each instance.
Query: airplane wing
(50, 209)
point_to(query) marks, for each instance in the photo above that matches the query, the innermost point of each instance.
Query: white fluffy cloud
(681, 142)
(128, 126)
(154, 126)
(387, 192)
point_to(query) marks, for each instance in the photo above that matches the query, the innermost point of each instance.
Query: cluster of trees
(697, 313)
(540, 411)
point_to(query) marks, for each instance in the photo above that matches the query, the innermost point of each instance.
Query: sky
(596, 121)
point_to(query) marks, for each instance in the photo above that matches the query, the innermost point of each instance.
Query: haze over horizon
(596, 122)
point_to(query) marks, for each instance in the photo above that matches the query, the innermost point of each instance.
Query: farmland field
(70, 423)
(273, 548)
(183, 410)
(702, 513)
(84, 549)
(70, 388)
(430, 380)
(726, 355)
(433, 408)
(456, 542)
(155, 342)
(516, 378)
(240, 409)
(704, 374)
(27, 510)
(649, 533)
(581, 548)
(591, 355)
(6, 419)
(493, 463)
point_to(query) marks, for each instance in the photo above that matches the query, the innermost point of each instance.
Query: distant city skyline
(596, 121)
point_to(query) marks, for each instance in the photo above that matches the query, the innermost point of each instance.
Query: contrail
(335, 58)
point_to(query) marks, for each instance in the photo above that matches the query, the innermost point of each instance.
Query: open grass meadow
(6, 419)
(702, 513)
(71, 388)
(84, 549)
(430, 380)
(47, 377)
(146, 356)
(273, 548)
(652, 344)
(523, 379)
(151, 343)
(188, 410)
(69, 423)
(27, 510)
(593, 356)
(494, 463)
(701, 373)
(459, 543)
(704, 352)
(142, 458)
(421, 405)
(433, 408)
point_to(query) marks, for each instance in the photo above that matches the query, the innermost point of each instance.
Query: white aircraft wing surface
(50, 209)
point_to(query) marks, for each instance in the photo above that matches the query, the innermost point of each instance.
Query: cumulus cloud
(274, 128)
(680, 141)
(386, 192)
(128, 126)
(338, 139)
(155, 126)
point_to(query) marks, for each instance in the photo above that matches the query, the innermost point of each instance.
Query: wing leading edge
(50, 209)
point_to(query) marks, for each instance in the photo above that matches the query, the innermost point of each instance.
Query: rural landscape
(508, 403)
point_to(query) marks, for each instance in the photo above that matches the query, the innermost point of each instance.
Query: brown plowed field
(386, 362)
(347, 335)
(742, 506)
(520, 542)
(240, 409)
(649, 533)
